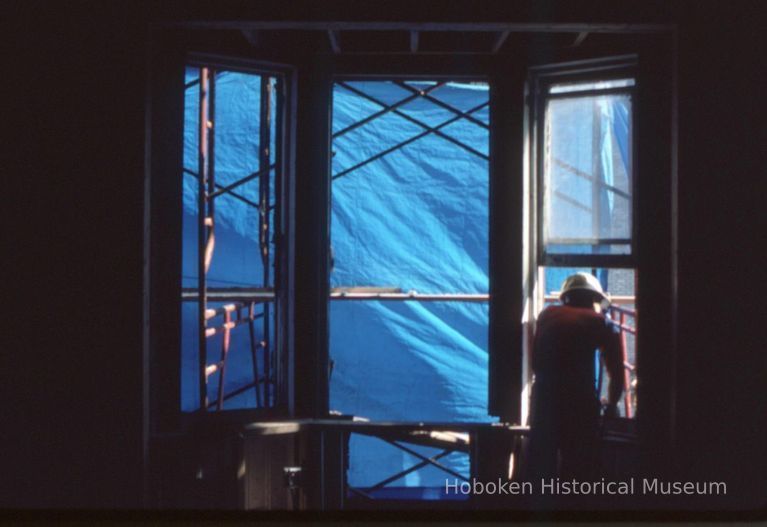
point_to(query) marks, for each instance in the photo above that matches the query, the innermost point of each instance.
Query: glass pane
(587, 175)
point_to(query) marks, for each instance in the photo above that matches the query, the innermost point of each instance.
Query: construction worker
(565, 405)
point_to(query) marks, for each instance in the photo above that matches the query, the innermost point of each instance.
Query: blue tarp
(416, 219)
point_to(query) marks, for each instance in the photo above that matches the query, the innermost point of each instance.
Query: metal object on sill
(292, 477)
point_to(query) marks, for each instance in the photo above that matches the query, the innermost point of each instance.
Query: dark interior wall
(721, 407)
(72, 423)
(72, 418)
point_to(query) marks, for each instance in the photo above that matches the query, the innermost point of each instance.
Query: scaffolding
(414, 93)
(241, 303)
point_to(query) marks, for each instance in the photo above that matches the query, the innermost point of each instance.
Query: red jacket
(563, 353)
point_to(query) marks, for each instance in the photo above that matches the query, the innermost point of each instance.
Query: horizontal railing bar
(265, 295)
(617, 299)
(412, 297)
(366, 289)
(620, 309)
(614, 300)
(382, 429)
(222, 294)
(627, 329)
(341, 293)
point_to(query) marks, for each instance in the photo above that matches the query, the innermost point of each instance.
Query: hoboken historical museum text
(557, 486)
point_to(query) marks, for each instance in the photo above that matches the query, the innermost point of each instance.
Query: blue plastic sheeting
(416, 219)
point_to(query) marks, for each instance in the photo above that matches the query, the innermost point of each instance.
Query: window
(409, 284)
(233, 170)
(585, 163)
(583, 175)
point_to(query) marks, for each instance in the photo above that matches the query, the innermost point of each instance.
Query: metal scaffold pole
(205, 216)
(264, 210)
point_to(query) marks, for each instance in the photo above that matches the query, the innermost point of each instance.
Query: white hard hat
(585, 281)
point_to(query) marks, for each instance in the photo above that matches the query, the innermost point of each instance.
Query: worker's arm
(613, 357)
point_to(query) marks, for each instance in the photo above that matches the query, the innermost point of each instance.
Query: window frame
(540, 79)
(488, 79)
(283, 234)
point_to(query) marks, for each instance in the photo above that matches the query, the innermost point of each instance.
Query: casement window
(233, 174)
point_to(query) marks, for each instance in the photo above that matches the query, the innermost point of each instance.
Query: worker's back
(563, 354)
(565, 405)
